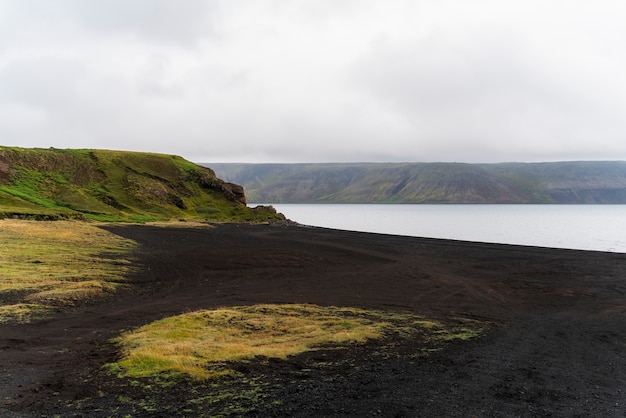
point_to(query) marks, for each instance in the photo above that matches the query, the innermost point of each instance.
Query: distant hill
(556, 182)
(116, 185)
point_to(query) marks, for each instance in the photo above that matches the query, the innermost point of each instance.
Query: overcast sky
(317, 80)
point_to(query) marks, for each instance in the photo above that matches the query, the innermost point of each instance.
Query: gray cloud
(153, 21)
(317, 80)
(493, 94)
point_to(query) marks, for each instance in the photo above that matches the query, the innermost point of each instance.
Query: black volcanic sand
(555, 347)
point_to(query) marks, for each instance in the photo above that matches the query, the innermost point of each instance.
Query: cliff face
(115, 185)
(564, 182)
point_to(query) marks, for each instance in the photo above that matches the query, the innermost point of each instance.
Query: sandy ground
(554, 348)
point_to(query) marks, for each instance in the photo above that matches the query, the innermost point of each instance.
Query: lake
(583, 227)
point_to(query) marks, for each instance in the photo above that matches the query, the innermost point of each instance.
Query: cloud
(340, 80)
(498, 91)
(153, 21)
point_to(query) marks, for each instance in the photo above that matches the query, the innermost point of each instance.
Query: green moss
(256, 384)
(114, 186)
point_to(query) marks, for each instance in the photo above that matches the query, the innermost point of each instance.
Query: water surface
(584, 227)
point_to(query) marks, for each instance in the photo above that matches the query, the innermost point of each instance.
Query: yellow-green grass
(45, 264)
(202, 344)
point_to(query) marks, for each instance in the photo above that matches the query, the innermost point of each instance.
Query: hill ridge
(566, 182)
(112, 185)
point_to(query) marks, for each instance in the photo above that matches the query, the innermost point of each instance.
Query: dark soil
(554, 346)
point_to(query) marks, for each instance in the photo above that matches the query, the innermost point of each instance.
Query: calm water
(584, 227)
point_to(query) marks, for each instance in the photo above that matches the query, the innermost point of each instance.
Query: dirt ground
(554, 346)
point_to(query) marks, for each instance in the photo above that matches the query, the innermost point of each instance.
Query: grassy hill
(116, 186)
(560, 182)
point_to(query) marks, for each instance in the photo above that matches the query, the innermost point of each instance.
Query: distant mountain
(116, 185)
(556, 182)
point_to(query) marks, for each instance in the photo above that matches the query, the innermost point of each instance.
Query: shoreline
(555, 347)
(462, 241)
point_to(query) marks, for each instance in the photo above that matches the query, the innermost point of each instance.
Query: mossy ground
(238, 361)
(62, 263)
(201, 344)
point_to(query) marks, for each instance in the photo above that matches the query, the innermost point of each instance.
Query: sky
(280, 81)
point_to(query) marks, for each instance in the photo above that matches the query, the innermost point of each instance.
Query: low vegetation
(102, 185)
(204, 344)
(50, 264)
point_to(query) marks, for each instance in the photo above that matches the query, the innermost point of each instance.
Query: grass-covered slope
(47, 265)
(558, 182)
(116, 186)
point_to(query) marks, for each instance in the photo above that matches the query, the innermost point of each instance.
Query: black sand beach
(554, 346)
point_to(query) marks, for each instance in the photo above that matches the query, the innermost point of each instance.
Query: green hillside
(116, 186)
(559, 182)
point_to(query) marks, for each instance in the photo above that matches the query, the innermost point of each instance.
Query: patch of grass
(202, 344)
(190, 343)
(61, 263)
(467, 330)
(22, 312)
(28, 196)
